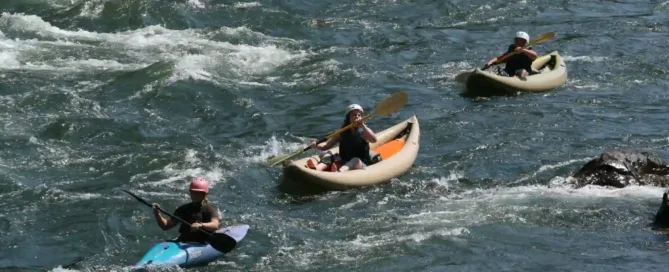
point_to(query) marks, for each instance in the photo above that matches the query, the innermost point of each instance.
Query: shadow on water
(486, 91)
(73, 264)
(299, 191)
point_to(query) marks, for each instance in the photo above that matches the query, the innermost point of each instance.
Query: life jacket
(352, 145)
(192, 213)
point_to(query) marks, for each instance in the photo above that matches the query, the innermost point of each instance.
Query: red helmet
(199, 185)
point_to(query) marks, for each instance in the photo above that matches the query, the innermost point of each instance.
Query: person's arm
(495, 60)
(330, 143)
(212, 225)
(325, 145)
(530, 53)
(368, 134)
(163, 223)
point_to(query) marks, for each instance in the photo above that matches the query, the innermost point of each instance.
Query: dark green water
(144, 94)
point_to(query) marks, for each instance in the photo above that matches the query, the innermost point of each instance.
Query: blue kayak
(170, 253)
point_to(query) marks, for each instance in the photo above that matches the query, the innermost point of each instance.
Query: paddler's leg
(318, 167)
(353, 164)
(522, 74)
(325, 157)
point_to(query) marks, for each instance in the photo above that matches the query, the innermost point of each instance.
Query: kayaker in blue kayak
(520, 64)
(354, 152)
(200, 213)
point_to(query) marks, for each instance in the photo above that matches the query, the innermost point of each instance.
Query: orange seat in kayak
(386, 150)
(389, 149)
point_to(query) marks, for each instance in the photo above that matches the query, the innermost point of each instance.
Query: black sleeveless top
(352, 144)
(517, 62)
(193, 213)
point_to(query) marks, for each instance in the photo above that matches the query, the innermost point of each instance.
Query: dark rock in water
(623, 168)
(662, 217)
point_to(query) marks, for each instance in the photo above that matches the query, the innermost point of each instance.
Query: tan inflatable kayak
(397, 145)
(553, 74)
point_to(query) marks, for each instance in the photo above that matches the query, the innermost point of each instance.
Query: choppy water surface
(142, 94)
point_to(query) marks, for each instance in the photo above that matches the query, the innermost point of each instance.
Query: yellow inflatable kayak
(553, 74)
(397, 145)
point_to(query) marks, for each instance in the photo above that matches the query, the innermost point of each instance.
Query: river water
(98, 95)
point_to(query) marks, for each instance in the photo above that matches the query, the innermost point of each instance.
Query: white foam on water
(587, 86)
(545, 168)
(196, 56)
(660, 140)
(58, 194)
(360, 200)
(61, 269)
(512, 204)
(93, 8)
(583, 84)
(390, 238)
(318, 74)
(442, 183)
(272, 147)
(197, 4)
(14, 52)
(240, 5)
(178, 175)
(369, 240)
(589, 59)
(468, 22)
(586, 193)
(96, 64)
(192, 67)
(484, 7)
(108, 268)
(464, 66)
(140, 192)
(453, 176)
(448, 218)
(81, 65)
(250, 60)
(9, 60)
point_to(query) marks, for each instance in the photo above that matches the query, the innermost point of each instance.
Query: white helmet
(523, 35)
(354, 107)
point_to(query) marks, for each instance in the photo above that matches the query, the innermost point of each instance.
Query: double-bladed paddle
(387, 106)
(218, 241)
(462, 77)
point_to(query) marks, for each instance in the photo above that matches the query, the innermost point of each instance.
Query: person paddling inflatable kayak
(354, 152)
(200, 213)
(519, 65)
(201, 240)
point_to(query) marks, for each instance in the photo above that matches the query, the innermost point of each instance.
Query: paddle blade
(542, 38)
(273, 161)
(392, 104)
(222, 242)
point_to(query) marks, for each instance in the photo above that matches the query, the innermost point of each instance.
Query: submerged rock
(662, 216)
(623, 168)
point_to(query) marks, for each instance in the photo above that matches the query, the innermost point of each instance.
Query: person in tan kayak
(519, 64)
(354, 152)
(200, 213)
